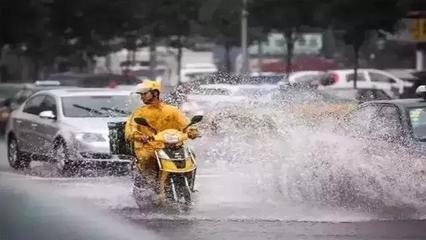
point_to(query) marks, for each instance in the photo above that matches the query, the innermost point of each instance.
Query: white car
(67, 126)
(194, 72)
(239, 90)
(207, 97)
(367, 78)
(304, 77)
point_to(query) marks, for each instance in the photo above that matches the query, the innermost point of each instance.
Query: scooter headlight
(171, 138)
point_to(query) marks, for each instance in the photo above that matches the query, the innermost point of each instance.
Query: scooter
(176, 165)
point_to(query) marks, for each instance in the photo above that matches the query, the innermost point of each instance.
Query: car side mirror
(47, 115)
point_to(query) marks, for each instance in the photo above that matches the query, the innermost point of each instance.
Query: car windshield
(418, 122)
(99, 106)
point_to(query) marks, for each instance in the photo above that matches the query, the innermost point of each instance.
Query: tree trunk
(152, 58)
(227, 58)
(356, 64)
(134, 56)
(260, 55)
(290, 47)
(108, 62)
(179, 57)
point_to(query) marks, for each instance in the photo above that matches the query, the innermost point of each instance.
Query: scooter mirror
(141, 121)
(196, 119)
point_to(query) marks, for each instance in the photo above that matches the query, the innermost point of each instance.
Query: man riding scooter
(160, 116)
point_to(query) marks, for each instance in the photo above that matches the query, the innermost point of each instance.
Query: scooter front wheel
(179, 190)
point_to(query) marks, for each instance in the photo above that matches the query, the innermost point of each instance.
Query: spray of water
(289, 158)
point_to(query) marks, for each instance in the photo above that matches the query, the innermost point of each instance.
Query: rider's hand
(143, 138)
(192, 133)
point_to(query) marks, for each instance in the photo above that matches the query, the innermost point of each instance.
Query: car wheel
(15, 157)
(61, 157)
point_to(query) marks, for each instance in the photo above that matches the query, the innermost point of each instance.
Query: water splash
(298, 160)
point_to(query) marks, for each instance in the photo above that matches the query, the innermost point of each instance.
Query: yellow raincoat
(161, 117)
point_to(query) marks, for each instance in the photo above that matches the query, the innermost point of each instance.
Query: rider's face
(147, 97)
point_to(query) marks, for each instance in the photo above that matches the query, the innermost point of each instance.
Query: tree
(87, 26)
(14, 18)
(15, 31)
(220, 20)
(285, 16)
(156, 20)
(177, 18)
(359, 18)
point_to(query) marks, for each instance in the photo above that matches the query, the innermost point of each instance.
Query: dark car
(13, 101)
(418, 79)
(401, 122)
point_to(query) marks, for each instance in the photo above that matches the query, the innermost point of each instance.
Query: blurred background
(176, 40)
(287, 149)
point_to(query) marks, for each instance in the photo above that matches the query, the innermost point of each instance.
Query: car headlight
(163, 155)
(90, 137)
(4, 115)
(171, 138)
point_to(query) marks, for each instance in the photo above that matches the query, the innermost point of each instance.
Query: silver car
(67, 126)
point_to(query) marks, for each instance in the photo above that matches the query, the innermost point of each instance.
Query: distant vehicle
(418, 78)
(215, 89)
(359, 95)
(197, 72)
(305, 77)
(17, 94)
(68, 127)
(209, 96)
(142, 70)
(234, 117)
(311, 104)
(403, 74)
(264, 78)
(400, 122)
(93, 80)
(367, 78)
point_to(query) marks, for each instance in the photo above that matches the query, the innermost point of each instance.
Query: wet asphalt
(218, 215)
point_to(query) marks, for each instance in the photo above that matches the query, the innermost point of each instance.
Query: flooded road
(228, 205)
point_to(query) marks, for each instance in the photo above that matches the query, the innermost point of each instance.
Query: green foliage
(60, 27)
(221, 20)
(22, 21)
(358, 18)
(284, 15)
